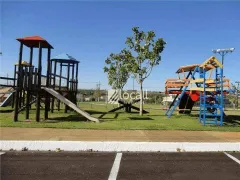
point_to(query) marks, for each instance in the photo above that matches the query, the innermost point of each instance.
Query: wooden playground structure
(32, 86)
(208, 88)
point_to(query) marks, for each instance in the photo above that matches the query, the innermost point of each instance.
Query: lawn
(155, 120)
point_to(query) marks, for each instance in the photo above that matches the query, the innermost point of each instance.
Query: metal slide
(70, 104)
(7, 101)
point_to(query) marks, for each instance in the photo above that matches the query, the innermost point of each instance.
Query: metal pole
(222, 98)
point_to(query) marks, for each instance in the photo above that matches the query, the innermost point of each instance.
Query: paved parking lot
(120, 166)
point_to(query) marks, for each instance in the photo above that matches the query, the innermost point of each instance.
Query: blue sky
(90, 31)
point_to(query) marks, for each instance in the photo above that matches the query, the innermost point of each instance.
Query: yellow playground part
(212, 61)
(24, 63)
(202, 89)
(201, 80)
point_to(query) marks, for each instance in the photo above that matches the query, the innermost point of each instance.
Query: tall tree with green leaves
(117, 69)
(144, 52)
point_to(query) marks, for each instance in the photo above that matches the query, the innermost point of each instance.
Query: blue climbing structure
(211, 95)
(210, 89)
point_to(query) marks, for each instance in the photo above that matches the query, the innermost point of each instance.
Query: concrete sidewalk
(114, 135)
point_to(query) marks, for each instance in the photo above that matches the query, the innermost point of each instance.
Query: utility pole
(98, 90)
(7, 79)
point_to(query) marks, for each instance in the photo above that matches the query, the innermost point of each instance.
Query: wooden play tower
(59, 84)
(29, 78)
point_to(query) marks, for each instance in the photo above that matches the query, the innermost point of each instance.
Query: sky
(90, 31)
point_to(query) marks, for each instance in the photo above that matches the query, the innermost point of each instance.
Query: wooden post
(14, 84)
(54, 83)
(20, 86)
(29, 84)
(76, 80)
(72, 86)
(72, 76)
(18, 81)
(47, 97)
(50, 80)
(35, 79)
(25, 80)
(68, 75)
(60, 82)
(38, 90)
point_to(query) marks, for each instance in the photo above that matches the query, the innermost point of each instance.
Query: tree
(236, 88)
(117, 69)
(144, 52)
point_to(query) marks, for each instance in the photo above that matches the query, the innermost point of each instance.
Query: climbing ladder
(211, 104)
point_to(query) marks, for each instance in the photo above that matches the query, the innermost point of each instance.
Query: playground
(49, 99)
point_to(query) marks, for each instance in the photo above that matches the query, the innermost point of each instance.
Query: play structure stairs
(70, 104)
(211, 111)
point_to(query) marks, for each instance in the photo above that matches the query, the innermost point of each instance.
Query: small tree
(117, 69)
(144, 52)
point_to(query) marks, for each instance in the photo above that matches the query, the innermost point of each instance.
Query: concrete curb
(114, 146)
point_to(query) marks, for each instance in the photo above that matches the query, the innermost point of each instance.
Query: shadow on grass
(141, 118)
(94, 112)
(106, 119)
(6, 111)
(232, 120)
(229, 120)
(70, 118)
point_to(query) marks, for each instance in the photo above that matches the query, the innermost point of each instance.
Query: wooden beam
(39, 82)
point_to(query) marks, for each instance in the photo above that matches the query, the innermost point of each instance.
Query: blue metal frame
(210, 112)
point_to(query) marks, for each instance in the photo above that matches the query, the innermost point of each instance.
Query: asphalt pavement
(28, 165)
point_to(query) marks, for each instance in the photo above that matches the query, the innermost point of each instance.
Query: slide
(186, 104)
(7, 101)
(70, 104)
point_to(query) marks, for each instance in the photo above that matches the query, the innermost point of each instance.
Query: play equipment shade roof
(24, 63)
(65, 58)
(33, 41)
(192, 67)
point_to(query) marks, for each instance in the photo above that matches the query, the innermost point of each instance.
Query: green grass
(155, 120)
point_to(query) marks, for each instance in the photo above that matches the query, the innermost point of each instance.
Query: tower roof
(33, 41)
(65, 58)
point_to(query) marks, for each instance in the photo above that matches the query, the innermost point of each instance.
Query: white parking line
(115, 167)
(1, 153)
(232, 157)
